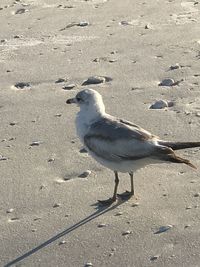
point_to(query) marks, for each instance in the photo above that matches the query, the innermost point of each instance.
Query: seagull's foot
(126, 195)
(107, 202)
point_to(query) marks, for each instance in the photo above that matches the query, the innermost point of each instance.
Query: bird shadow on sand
(100, 210)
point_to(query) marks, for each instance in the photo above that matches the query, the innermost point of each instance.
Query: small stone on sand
(175, 67)
(119, 213)
(69, 86)
(135, 204)
(160, 104)
(85, 174)
(51, 160)
(60, 80)
(83, 150)
(9, 210)
(62, 242)
(13, 219)
(36, 143)
(13, 123)
(101, 225)
(196, 194)
(147, 26)
(22, 85)
(96, 80)
(127, 232)
(88, 264)
(163, 229)
(153, 258)
(83, 23)
(187, 226)
(20, 11)
(3, 158)
(167, 82)
(56, 205)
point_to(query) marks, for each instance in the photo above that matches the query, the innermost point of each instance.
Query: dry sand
(48, 213)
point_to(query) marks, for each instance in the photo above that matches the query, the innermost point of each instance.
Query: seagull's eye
(78, 99)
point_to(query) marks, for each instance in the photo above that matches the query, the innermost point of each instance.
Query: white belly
(124, 165)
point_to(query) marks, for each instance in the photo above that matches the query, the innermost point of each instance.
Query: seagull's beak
(71, 100)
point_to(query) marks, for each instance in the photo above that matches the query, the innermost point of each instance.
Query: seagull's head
(88, 100)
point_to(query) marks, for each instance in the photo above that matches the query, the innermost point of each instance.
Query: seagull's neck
(87, 115)
(91, 113)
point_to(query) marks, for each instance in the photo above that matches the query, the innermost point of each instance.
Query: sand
(49, 215)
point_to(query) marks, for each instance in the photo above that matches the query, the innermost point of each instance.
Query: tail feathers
(178, 159)
(167, 154)
(178, 145)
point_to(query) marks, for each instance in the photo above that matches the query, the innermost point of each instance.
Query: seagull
(118, 144)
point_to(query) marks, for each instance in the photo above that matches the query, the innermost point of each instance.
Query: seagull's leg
(114, 198)
(128, 194)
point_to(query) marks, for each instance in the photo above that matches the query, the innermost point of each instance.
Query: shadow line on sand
(100, 211)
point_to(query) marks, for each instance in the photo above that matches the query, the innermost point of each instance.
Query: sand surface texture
(48, 211)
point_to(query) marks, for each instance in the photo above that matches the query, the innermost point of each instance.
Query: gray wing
(115, 139)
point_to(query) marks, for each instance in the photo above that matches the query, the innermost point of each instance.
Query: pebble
(36, 143)
(85, 174)
(60, 80)
(37, 218)
(3, 41)
(69, 86)
(163, 229)
(112, 60)
(119, 213)
(127, 232)
(88, 264)
(196, 194)
(159, 104)
(153, 258)
(12, 123)
(58, 115)
(42, 186)
(187, 226)
(3, 158)
(188, 208)
(56, 205)
(22, 85)
(83, 150)
(167, 82)
(51, 160)
(13, 219)
(33, 230)
(101, 225)
(21, 11)
(62, 242)
(96, 80)
(135, 204)
(175, 66)
(9, 210)
(197, 114)
(147, 26)
(83, 23)
(126, 23)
